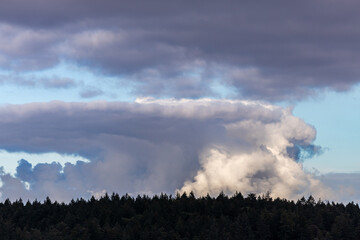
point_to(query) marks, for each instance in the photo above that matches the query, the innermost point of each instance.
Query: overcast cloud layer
(153, 146)
(273, 50)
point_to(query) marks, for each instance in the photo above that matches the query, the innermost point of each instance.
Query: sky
(165, 96)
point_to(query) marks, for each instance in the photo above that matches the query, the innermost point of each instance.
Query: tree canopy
(180, 217)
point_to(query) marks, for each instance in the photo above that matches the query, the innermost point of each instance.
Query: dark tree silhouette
(180, 217)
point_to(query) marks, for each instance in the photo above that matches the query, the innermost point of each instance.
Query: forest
(180, 217)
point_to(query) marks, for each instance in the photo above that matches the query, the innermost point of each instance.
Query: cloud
(47, 83)
(58, 83)
(344, 184)
(91, 92)
(274, 51)
(153, 146)
(269, 166)
(23, 49)
(264, 50)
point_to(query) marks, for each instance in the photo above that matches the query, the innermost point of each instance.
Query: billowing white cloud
(153, 146)
(267, 167)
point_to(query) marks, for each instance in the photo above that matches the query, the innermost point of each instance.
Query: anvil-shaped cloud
(153, 146)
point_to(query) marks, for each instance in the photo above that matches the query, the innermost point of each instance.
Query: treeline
(180, 217)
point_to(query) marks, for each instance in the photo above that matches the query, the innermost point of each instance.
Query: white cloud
(265, 166)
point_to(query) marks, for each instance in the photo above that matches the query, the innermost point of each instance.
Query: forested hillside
(180, 217)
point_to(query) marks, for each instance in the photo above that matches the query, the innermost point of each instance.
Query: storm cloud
(152, 146)
(278, 50)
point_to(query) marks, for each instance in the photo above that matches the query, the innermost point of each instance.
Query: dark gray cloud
(266, 50)
(154, 146)
(24, 49)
